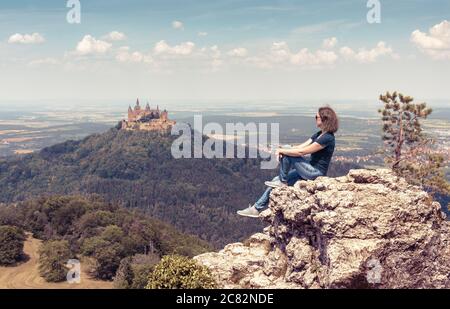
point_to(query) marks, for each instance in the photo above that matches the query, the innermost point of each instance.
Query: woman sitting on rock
(294, 166)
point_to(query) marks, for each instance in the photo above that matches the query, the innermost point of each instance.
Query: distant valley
(23, 131)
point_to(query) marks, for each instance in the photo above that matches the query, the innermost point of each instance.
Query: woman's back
(322, 158)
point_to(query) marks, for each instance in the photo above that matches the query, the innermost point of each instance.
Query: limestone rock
(369, 229)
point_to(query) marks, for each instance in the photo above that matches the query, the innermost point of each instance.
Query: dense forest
(89, 228)
(135, 169)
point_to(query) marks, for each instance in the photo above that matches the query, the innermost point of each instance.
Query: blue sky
(198, 49)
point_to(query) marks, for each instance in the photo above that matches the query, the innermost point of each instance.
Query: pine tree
(408, 150)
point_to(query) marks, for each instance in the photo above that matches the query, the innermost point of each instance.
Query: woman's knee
(306, 173)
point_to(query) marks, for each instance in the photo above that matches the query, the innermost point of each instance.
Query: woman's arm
(298, 152)
(307, 143)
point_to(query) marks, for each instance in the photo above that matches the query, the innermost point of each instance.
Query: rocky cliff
(368, 229)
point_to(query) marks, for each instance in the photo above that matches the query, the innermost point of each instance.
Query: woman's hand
(278, 153)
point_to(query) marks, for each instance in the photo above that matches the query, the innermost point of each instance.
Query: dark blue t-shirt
(322, 158)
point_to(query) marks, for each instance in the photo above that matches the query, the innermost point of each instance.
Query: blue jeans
(302, 169)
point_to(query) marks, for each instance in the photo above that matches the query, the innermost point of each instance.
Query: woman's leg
(285, 168)
(305, 170)
(263, 201)
(286, 165)
(291, 178)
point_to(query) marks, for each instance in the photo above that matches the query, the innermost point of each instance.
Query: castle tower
(164, 115)
(147, 107)
(130, 114)
(137, 107)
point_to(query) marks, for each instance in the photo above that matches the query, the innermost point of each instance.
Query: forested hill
(136, 169)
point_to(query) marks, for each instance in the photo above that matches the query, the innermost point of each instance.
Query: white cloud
(280, 55)
(281, 52)
(215, 54)
(212, 55)
(34, 38)
(366, 56)
(436, 43)
(201, 33)
(329, 43)
(90, 45)
(215, 51)
(124, 55)
(183, 49)
(115, 36)
(238, 52)
(177, 25)
(347, 52)
(167, 58)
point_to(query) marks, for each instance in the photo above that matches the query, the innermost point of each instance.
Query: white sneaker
(251, 212)
(275, 184)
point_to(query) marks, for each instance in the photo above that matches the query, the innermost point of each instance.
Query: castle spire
(130, 114)
(137, 107)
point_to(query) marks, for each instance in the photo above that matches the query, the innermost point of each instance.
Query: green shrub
(124, 275)
(108, 251)
(94, 219)
(178, 272)
(53, 256)
(90, 245)
(143, 265)
(134, 272)
(108, 261)
(141, 273)
(112, 233)
(11, 244)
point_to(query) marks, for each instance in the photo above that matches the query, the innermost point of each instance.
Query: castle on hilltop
(140, 114)
(146, 119)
